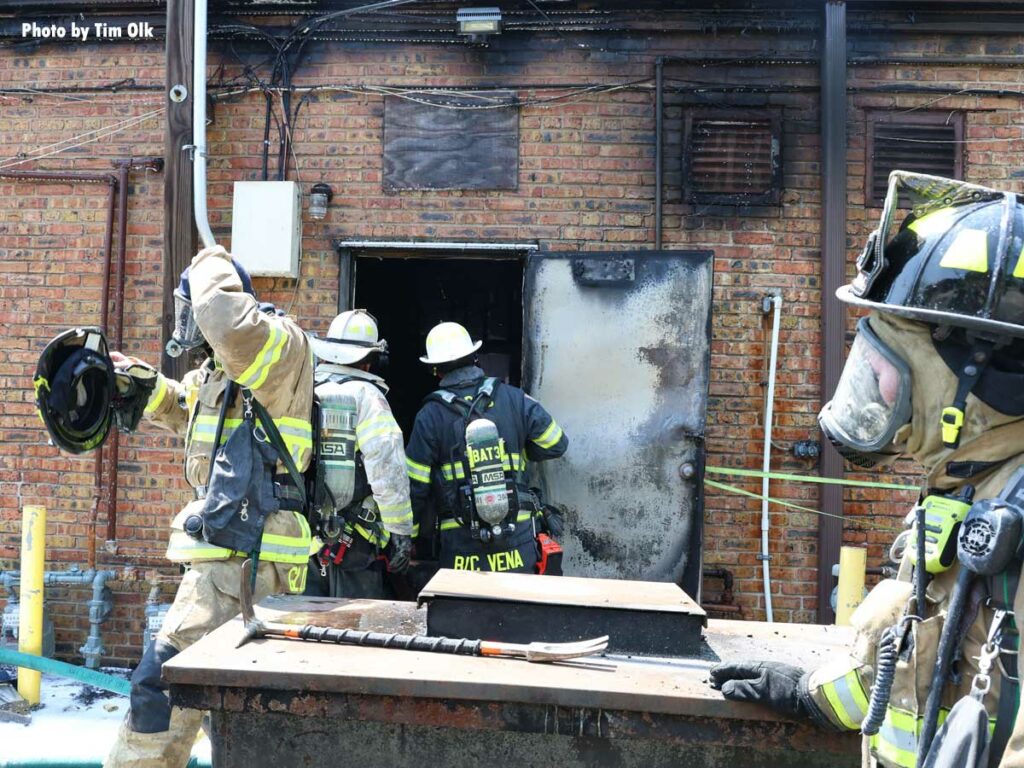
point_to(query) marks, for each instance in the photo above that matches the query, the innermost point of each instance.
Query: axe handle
(459, 647)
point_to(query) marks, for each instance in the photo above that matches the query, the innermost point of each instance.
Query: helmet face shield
(186, 333)
(872, 400)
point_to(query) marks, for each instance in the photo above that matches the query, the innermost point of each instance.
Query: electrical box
(266, 227)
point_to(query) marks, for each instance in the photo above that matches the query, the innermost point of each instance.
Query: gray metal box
(640, 617)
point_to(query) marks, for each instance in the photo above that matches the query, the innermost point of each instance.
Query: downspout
(659, 140)
(833, 272)
(766, 460)
(199, 126)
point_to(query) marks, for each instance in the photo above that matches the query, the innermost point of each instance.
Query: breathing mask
(186, 334)
(871, 402)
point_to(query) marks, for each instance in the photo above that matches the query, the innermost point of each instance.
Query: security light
(478, 23)
(319, 198)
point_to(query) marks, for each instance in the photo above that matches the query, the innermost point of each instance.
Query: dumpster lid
(560, 590)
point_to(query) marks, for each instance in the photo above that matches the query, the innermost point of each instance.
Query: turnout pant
(154, 734)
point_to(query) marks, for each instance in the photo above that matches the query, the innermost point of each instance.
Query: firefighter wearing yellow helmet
(362, 491)
(936, 372)
(245, 416)
(467, 457)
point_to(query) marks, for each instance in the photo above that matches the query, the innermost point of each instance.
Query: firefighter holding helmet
(936, 372)
(245, 417)
(362, 487)
(467, 457)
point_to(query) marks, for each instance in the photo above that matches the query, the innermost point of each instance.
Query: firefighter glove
(134, 382)
(554, 521)
(764, 682)
(401, 553)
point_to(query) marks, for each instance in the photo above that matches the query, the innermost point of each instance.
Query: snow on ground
(75, 725)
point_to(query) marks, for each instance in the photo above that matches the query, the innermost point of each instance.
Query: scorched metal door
(617, 347)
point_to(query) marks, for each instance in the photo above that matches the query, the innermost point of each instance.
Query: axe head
(253, 626)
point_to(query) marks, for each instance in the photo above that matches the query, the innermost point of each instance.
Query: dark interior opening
(409, 296)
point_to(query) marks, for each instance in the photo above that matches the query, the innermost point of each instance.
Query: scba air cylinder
(485, 451)
(338, 442)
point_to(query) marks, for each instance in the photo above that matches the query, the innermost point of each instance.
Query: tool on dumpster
(534, 652)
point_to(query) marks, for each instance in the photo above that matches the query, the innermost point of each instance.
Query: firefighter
(361, 472)
(935, 372)
(256, 390)
(467, 457)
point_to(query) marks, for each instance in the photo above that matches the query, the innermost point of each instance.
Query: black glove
(135, 382)
(764, 682)
(553, 521)
(400, 553)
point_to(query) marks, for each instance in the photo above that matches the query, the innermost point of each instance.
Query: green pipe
(54, 667)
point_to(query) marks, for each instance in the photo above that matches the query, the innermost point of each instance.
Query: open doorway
(408, 296)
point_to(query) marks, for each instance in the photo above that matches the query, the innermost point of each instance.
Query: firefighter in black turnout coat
(468, 453)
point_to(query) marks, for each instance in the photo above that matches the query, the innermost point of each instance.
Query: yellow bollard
(30, 617)
(853, 562)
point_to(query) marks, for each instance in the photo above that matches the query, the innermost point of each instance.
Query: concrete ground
(74, 726)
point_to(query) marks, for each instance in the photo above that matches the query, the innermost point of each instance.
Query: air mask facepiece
(186, 334)
(871, 402)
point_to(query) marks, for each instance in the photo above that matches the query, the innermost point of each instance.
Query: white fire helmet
(351, 337)
(448, 342)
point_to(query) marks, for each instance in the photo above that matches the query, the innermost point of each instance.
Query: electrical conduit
(769, 415)
(199, 126)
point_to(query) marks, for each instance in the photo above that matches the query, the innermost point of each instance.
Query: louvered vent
(732, 159)
(926, 142)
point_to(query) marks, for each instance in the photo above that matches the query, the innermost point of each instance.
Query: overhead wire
(39, 153)
(412, 93)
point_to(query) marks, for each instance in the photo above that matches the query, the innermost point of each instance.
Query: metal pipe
(659, 99)
(122, 256)
(100, 605)
(199, 125)
(833, 272)
(108, 239)
(852, 566)
(123, 169)
(112, 184)
(81, 176)
(30, 606)
(99, 608)
(766, 460)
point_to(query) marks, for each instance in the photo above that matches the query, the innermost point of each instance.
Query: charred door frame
(691, 581)
(348, 249)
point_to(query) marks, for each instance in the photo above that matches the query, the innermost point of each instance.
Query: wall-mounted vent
(732, 158)
(924, 142)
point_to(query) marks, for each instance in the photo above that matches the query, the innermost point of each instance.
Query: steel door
(617, 347)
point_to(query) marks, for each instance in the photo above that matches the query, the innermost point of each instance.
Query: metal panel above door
(617, 347)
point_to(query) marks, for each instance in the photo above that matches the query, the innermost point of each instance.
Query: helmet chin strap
(952, 418)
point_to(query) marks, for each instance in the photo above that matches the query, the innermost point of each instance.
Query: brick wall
(586, 181)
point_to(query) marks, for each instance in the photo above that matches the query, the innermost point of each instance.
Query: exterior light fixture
(478, 23)
(319, 198)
